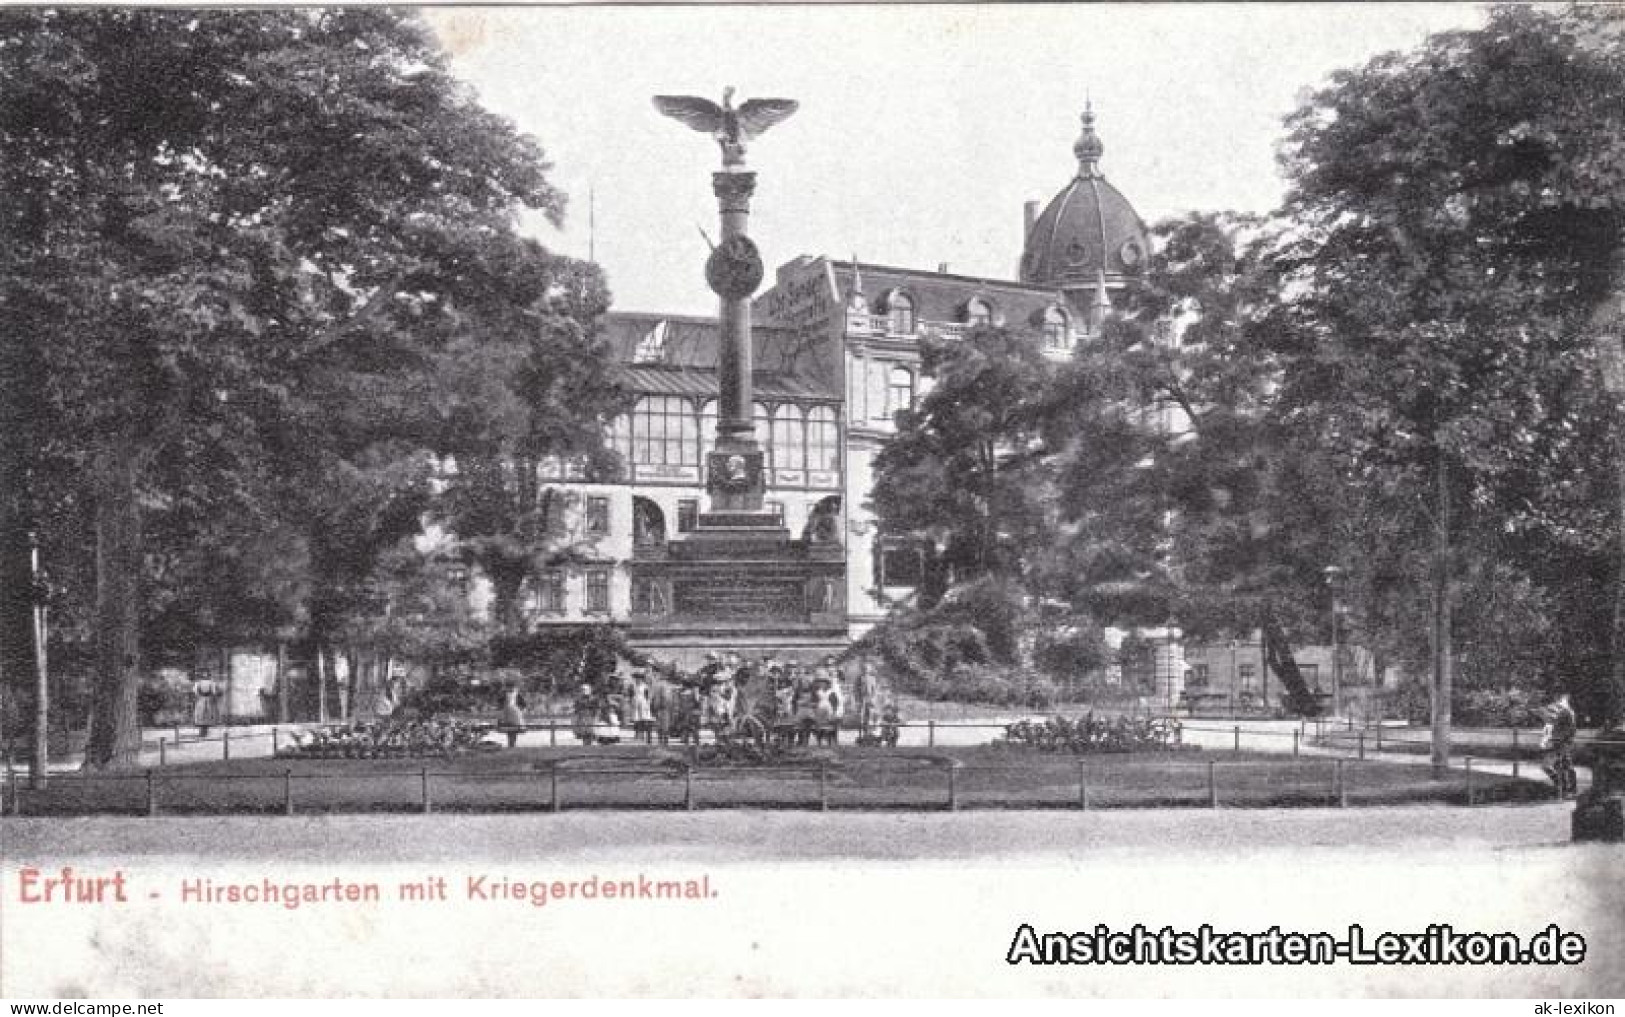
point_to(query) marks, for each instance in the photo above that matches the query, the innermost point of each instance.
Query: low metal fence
(856, 781)
(1322, 736)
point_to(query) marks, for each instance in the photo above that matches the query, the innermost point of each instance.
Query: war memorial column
(735, 470)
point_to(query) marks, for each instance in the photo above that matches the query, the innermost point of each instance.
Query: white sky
(922, 129)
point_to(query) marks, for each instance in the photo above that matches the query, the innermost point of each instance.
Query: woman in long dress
(512, 714)
(205, 705)
(586, 714)
(641, 708)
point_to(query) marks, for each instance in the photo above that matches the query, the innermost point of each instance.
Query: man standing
(1557, 744)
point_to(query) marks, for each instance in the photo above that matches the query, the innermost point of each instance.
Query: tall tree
(969, 480)
(214, 213)
(1457, 219)
(534, 389)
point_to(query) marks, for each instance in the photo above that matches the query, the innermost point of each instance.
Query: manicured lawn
(1480, 743)
(637, 777)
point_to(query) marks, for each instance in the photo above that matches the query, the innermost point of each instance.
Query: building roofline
(1010, 284)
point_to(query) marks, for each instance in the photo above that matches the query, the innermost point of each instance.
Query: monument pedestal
(738, 581)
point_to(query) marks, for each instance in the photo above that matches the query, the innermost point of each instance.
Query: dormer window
(899, 313)
(1056, 329)
(979, 313)
(651, 349)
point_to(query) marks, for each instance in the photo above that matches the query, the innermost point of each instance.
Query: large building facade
(836, 354)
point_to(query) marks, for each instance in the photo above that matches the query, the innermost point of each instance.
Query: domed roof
(1088, 229)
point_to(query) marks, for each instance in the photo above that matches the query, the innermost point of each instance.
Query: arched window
(899, 390)
(900, 314)
(789, 438)
(664, 430)
(1055, 329)
(648, 524)
(978, 313)
(823, 440)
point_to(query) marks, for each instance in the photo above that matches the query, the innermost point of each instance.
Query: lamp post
(1235, 679)
(1334, 573)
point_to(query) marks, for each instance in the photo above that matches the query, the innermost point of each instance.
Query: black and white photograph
(813, 500)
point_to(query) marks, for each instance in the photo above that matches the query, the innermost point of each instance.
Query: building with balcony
(836, 354)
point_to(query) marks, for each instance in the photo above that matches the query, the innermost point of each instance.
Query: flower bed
(1090, 733)
(405, 739)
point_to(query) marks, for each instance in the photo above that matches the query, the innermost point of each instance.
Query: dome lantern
(1088, 148)
(1087, 231)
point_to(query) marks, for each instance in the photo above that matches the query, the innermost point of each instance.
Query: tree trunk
(350, 685)
(115, 731)
(282, 691)
(1278, 658)
(24, 425)
(1611, 354)
(1443, 663)
(1613, 709)
(18, 632)
(321, 682)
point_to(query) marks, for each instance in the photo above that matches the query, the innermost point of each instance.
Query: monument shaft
(735, 426)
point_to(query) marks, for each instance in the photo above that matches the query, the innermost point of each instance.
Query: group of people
(791, 702)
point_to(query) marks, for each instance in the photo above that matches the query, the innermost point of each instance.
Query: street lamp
(1235, 679)
(1333, 574)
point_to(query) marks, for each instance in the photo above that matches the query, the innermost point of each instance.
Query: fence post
(424, 775)
(276, 742)
(17, 793)
(163, 751)
(152, 795)
(553, 788)
(1516, 752)
(1238, 738)
(225, 743)
(1212, 785)
(1379, 736)
(1297, 736)
(823, 785)
(1083, 788)
(552, 733)
(1342, 786)
(287, 792)
(930, 733)
(688, 786)
(1467, 764)
(177, 735)
(953, 786)
(1362, 744)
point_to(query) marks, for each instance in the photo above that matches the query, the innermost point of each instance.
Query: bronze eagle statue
(730, 127)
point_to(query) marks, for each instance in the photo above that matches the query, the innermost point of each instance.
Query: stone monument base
(740, 582)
